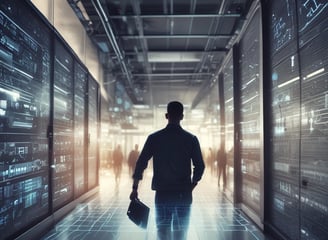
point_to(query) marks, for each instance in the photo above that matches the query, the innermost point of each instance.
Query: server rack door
(313, 35)
(213, 136)
(62, 126)
(285, 115)
(229, 130)
(285, 148)
(93, 133)
(24, 117)
(299, 106)
(80, 96)
(250, 116)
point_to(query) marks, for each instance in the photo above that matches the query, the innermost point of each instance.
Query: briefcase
(138, 213)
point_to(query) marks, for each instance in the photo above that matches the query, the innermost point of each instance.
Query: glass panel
(283, 30)
(63, 126)
(312, 19)
(284, 206)
(228, 80)
(93, 134)
(311, 164)
(80, 82)
(210, 136)
(250, 115)
(314, 165)
(24, 117)
(285, 147)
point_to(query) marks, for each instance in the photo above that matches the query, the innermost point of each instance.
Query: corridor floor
(103, 217)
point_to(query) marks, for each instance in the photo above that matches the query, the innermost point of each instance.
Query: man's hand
(134, 194)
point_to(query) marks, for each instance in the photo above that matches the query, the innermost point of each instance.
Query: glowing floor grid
(104, 216)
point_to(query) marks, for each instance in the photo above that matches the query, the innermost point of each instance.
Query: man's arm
(134, 193)
(141, 165)
(198, 163)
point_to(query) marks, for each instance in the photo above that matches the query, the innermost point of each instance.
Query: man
(173, 150)
(117, 162)
(133, 157)
(222, 162)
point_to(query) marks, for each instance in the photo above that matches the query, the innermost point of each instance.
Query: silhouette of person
(132, 159)
(222, 162)
(173, 151)
(117, 162)
(210, 157)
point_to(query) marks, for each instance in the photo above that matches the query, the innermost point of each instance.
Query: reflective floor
(104, 215)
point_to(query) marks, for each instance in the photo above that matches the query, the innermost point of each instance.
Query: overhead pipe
(205, 89)
(144, 46)
(111, 37)
(207, 86)
(222, 15)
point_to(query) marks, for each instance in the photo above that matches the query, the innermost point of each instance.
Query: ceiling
(162, 50)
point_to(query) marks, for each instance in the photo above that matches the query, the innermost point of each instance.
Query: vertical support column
(236, 99)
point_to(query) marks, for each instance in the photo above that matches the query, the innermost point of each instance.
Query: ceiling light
(141, 106)
(288, 82)
(315, 73)
(174, 57)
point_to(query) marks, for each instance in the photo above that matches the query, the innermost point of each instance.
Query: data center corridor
(78, 77)
(103, 216)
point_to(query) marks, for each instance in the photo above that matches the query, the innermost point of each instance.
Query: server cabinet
(63, 137)
(43, 115)
(313, 52)
(285, 110)
(24, 118)
(298, 171)
(80, 101)
(93, 123)
(251, 131)
(229, 131)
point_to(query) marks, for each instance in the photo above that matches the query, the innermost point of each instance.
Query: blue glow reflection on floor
(104, 215)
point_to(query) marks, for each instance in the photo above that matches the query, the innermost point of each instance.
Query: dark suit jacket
(174, 151)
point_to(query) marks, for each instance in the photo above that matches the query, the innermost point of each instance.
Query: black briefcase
(138, 213)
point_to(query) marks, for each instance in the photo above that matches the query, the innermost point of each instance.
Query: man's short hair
(175, 109)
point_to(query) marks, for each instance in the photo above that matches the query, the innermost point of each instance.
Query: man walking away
(174, 152)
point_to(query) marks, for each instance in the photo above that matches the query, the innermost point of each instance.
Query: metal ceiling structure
(162, 49)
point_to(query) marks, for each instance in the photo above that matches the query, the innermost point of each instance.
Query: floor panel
(104, 215)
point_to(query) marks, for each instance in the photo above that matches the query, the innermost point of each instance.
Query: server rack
(229, 131)
(298, 54)
(24, 117)
(63, 126)
(80, 101)
(250, 116)
(93, 132)
(313, 55)
(43, 120)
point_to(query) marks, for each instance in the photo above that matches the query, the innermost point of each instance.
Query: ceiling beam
(208, 85)
(164, 36)
(171, 74)
(144, 44)
(124, 17)
(198, 36)
(216, 51)
(110, 36)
